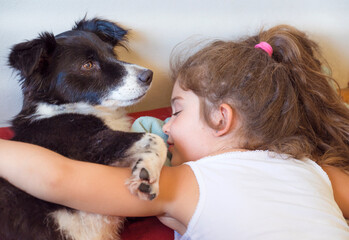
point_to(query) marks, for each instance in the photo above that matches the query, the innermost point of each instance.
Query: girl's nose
(166, 127)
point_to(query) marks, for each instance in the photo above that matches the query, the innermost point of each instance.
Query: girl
(251, 121)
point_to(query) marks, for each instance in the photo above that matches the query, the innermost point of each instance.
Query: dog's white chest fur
(115, 119)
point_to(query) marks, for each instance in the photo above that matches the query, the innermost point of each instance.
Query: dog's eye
(88, 65)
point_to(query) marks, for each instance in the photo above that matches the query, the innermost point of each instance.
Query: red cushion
(149, 228)
(6, 133)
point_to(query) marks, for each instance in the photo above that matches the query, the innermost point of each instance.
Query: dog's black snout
(146, 76)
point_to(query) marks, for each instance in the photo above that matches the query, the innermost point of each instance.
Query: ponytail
(323, 118)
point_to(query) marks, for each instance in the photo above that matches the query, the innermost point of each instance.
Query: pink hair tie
(266, 47)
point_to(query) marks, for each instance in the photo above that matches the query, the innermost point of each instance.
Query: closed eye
(176, 113)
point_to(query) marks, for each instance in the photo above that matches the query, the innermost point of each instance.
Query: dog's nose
(146, 76)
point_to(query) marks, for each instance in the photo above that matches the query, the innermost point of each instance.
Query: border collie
(74, 90)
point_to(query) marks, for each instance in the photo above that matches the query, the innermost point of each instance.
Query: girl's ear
(225, 118)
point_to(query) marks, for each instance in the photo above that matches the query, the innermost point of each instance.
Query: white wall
(158, 25)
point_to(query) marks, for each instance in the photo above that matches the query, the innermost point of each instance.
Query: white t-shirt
(261, 195)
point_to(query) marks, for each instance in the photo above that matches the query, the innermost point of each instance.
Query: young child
(252, 119)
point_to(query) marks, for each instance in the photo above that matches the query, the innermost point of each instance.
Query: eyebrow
(175, 99)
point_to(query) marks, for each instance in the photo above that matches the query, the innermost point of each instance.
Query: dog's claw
(144, 175)
(152, 196)
(145, 188)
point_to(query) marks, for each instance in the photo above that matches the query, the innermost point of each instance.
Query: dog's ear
(31, 56)
(104, 29)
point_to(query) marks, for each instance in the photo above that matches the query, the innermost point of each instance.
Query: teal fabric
(152, 125)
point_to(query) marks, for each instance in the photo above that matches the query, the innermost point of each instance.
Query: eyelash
(176, 113)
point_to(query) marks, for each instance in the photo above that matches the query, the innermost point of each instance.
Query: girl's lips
(170, 146)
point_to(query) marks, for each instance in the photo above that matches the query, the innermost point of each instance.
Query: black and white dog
(74, 89)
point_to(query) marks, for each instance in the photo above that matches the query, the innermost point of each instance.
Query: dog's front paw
(150, 154)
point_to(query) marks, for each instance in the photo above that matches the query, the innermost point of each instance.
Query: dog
(74, 93)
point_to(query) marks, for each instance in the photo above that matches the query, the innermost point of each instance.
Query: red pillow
(6, 133)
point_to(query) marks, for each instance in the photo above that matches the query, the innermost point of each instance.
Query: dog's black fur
(64, 79)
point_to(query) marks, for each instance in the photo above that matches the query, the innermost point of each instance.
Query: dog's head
(79, 65)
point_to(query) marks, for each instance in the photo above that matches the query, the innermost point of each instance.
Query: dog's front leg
(149, 154)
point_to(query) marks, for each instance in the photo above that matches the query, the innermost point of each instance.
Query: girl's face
(189, 137)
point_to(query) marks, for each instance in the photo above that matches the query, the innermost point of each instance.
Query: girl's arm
(93, 187)
(85, 186)
(340, 184)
